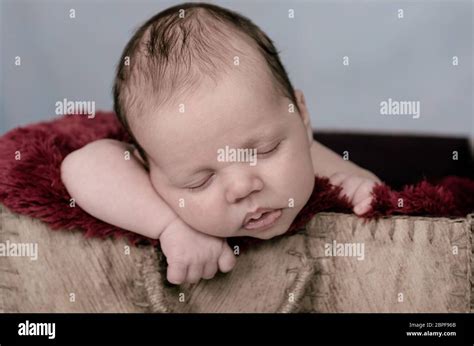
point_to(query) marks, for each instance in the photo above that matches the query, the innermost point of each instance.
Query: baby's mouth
(262, 220)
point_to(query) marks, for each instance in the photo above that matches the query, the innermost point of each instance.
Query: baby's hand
(192, 255)
(357, 189)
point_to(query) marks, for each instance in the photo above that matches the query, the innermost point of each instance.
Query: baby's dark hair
(170, 52)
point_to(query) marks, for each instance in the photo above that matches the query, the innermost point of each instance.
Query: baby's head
(202, 90)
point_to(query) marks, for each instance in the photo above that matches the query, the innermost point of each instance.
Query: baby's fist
(357, 189)
(192, 255)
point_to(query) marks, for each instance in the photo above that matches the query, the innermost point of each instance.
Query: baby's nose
(242, 186)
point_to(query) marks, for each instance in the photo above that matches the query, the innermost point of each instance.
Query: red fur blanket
(30, 182)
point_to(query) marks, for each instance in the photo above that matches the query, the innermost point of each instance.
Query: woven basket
(410, 264)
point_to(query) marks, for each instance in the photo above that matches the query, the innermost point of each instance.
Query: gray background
(403, 59)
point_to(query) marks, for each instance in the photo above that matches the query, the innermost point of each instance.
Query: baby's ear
(305, 117)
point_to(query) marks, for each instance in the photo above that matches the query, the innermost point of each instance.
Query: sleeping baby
(222, 143)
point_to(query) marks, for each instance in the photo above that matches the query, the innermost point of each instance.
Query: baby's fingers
(210, 270)
(226, 260)
(362, 192)
(363, 197)
(194, 273)
(176, 273)
(337, 178)
(363, 207)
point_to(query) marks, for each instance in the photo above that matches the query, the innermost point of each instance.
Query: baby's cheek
(204, 214)
(294, 161)
(295, 172)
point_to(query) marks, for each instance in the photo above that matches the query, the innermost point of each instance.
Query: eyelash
(205, 183)
(270, 151)
(202, 186)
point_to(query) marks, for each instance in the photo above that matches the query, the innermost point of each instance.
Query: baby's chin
(269, 234)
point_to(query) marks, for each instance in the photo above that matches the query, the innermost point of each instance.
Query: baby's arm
(357, 183)
(115, 190)
(119, 191)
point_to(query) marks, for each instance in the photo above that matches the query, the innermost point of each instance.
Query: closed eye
(207, 182)
(269, 151)
(202, 185)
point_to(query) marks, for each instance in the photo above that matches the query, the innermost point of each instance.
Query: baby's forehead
(250, 91)
(206, 124)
